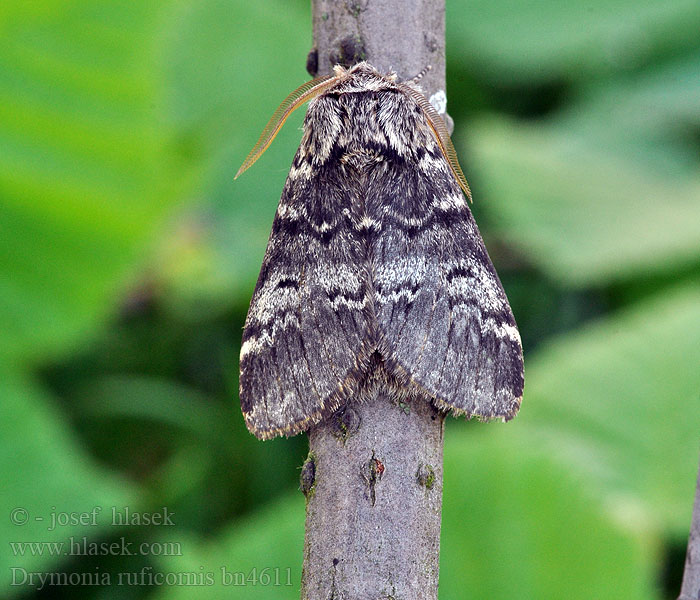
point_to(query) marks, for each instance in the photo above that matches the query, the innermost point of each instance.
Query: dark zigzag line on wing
(469, 306)
(300, 340)
(430, 217)
(470, 302)
(339, 377)
(277, 324)
(450, 328)
(395, 304)
(497, 348)
(440, 218)
(255, 329)
(410, 309)
(281, 355)
(452, 356)
(325, 402)
(304, 227)
(475, 326)
(346, 316)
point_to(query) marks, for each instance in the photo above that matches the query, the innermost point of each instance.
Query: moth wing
(443, 316)
(307, 323)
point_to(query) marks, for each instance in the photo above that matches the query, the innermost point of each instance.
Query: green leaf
(618, 403)
(518, 525)
(199, 439)
(581, 210)
(238, 562)
(87, 167)
(160, 401)
(219, 262)
(547, 39)
(45, 473)
(647, 116)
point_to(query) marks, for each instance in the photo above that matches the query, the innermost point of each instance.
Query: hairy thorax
(364, 129)
(361, 162)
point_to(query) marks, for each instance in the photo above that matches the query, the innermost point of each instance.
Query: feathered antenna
(305, 92)
(437, 124)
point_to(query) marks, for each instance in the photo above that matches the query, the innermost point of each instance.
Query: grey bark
(401, 35)
(373, 511)
(691, 576)
(373, 479)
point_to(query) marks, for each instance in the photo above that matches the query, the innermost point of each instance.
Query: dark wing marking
(307, 326)
(443, 318)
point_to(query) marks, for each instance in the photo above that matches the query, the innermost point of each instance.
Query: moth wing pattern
(374, 259)
(306, 325)
(443, 317)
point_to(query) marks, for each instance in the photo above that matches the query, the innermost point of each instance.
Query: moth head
(363, 70)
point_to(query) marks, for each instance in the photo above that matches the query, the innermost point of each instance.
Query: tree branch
(373, 479)
(404, 35)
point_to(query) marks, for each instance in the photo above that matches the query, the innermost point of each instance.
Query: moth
(375, 269)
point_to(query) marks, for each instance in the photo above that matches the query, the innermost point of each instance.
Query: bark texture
(373, 511)
(691, 575)
(406, 36)
(373, 480)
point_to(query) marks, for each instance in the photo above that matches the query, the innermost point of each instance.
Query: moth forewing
(437, 124)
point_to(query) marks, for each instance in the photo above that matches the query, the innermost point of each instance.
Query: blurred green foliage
(128, 256)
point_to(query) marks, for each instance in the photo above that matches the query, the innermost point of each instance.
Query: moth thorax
(361, 159)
